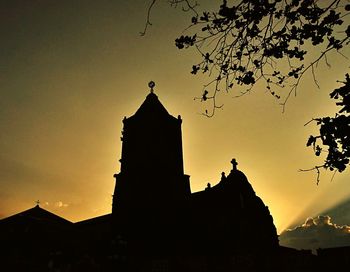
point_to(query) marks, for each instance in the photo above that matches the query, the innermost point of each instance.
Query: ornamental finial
(151, 84)
(234, 164)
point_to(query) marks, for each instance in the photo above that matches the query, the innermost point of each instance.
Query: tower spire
(151, 85)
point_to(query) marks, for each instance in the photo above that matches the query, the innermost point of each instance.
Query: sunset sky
(71, 71)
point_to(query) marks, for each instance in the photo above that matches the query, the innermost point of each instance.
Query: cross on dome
(234, 164)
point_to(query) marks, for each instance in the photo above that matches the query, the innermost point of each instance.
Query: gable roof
(35, 214)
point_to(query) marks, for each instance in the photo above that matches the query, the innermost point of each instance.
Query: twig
(309, 122)
(333, 175)
(148, 20)
(317, 169)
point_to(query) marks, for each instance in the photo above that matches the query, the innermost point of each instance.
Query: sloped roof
(151, 108)
(106, 218)
(37, 214)
(151, 103)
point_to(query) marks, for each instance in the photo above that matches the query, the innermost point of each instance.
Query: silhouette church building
(154, 209)
(157, 223)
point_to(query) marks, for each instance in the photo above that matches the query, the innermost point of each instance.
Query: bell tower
(151, 188)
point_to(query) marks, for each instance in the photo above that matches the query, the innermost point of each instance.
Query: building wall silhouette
(151, 190)
(154, 210)
(156, 223)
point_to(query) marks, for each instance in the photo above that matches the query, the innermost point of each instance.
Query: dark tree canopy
(334, 132)
(253, 40)
(244, 42)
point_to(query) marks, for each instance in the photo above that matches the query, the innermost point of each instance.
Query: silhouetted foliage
(335, 131)
(244, 42)
(255, 40)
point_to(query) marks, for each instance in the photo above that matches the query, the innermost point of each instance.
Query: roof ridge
(29, 213)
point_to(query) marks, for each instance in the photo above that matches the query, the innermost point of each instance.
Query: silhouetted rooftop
(152, 107)
(36, 214)
(95, 220)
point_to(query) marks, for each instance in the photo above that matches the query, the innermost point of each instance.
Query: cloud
(317, 232)
(60, 204)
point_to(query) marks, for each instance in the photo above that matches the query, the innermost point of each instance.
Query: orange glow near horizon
(69, 81)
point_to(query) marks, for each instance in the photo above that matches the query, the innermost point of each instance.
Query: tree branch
(148, 19)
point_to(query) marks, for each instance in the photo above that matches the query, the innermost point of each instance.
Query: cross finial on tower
(37, 202)
(234, 164)
(151, 84)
